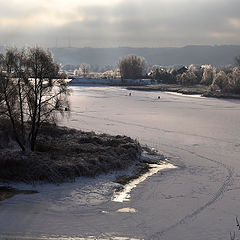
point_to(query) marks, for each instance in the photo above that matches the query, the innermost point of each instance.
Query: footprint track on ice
(223, 188)
(228, 181)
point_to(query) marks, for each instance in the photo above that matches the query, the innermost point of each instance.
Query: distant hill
(214, 55)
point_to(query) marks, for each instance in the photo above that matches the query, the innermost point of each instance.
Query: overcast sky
(113, 23)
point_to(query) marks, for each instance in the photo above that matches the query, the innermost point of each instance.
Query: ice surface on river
(198, 201)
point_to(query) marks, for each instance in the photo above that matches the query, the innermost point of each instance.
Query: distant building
(182, 70)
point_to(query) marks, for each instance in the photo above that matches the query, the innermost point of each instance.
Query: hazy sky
(110, 23)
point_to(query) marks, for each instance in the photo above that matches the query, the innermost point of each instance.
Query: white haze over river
(199, 200)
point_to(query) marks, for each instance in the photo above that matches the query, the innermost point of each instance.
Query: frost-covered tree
(85, 69)
(31, 92)
(192, 68)
(155, 67)
(234, 80)
(188, 77)
(220, 81)
(132, 67)
(162, 75)
(208, 74)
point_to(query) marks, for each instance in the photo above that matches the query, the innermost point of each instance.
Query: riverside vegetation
(222, 82)
(62, 154)
(209, 81)
(33, 95)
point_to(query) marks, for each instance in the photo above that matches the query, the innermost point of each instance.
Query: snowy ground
(198, 200)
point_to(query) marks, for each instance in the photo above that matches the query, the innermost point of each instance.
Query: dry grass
(62, 154)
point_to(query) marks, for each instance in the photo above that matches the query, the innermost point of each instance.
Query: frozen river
(199, 200)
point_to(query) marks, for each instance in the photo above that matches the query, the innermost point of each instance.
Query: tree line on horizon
(223, 79)
(217, 79)
(226, 80)
(34, 92)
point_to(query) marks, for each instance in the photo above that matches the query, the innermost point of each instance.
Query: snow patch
(186, 95)
(124, 195)
(127, 210)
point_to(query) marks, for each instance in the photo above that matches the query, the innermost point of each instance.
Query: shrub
(64, 154)
(132, 67)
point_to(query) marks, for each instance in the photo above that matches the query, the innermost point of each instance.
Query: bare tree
(31, 92)
(85, 68)
(132, 67)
